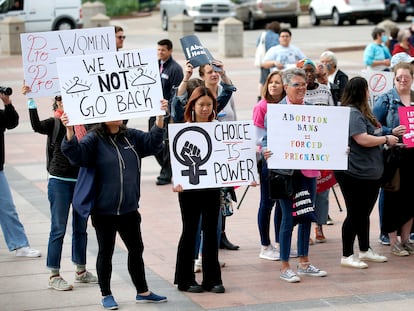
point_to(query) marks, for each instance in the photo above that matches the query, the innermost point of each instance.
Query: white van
(44, 15)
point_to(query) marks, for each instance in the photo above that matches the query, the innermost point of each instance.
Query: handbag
(84, 193)
(303, 207)
(280, 185)
(260, 51)
(390, 180)
(227, 196)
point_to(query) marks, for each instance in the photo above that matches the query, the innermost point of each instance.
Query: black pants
(194, 203)
(163, 157)
(128, 226)
(360, 196)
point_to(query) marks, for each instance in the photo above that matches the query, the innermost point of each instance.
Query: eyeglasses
(121, 37)
(58, 98)
(402, 78)
(297, 85)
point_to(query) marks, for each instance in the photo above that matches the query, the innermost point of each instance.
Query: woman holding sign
(361, 181)
(116, 152)
(201, 107)
(397, 214)
(294, 82)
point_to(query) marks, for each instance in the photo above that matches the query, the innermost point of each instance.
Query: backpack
(51, 141)
(260, 51)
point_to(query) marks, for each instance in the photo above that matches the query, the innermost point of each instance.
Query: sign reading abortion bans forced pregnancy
(307, 137)
(110, 86)
(40, 50)
(213, 154)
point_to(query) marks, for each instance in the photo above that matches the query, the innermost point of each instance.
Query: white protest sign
(40, 50)
(213, 154)
(307, 137)
(110, 86)
(379, 82)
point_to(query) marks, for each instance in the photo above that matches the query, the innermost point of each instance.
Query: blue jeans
(285, 236)
(265, 208)
(60, 194)
(13, 230)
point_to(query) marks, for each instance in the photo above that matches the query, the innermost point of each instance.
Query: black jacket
(9, 119)
(59, 165)
(172, 75)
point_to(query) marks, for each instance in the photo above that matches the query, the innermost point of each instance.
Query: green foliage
(125, 7)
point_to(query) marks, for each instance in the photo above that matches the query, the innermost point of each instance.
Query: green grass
(125, 7)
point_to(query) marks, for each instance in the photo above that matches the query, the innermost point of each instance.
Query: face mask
(384, 38)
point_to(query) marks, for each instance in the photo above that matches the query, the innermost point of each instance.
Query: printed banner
(40, 50)
(406, 115)
(379, 82)
(213, 154)
(308, 137)
(110, 86)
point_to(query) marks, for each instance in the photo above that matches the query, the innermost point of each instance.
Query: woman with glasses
(61, 185)
(294, 81)
(397, 212)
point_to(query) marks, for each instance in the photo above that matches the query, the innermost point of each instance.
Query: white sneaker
(198, 265)
(353, 262)
(370, 255)
(269, 253)
(27, 252)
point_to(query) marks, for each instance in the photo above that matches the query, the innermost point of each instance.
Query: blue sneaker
(154, 298)
(384, 239)
(109, 303)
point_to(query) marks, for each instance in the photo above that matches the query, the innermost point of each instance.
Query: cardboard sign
(406, 115)
(110, 86)
(307, 137)
(213, 154)
(40, 50)
(196, 53)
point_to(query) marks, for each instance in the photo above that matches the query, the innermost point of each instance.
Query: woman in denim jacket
(396, 213)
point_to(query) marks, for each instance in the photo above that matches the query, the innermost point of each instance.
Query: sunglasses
(121, 37)
(58, 98)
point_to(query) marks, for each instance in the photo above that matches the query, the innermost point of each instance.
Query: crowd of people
(287, 77)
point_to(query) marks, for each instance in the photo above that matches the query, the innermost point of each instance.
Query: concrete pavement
(251, 283)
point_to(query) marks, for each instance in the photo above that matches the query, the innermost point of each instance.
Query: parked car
(346, 10)
(44, 15)
(205, 13)
(398, 10)
(256, 12)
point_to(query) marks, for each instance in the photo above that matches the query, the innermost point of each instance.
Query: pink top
(259, 112)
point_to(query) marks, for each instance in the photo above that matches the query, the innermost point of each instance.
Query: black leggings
(360, 196)
(128, 227)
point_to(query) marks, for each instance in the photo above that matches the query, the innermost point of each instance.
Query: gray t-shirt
(364, 162)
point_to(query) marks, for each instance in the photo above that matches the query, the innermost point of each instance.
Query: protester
(119, 37)
(13, 230)
(60, 189)
(282, 56)
(360, 183)
(115, 152)
(397, 214)
(294, 81)
(201, 107)
(269, 37)
(171, 76)
(273, 92)
(376, 54)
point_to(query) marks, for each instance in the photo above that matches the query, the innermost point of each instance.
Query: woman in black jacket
(116, 152)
